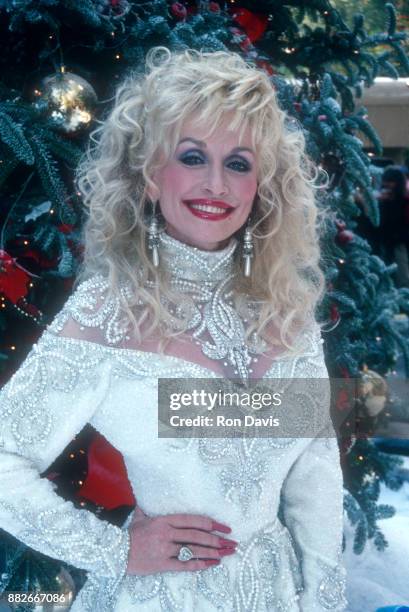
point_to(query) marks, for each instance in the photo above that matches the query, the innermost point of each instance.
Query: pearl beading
(204, 276)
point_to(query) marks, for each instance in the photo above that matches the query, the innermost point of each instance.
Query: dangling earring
(153, 237)
(248, 248)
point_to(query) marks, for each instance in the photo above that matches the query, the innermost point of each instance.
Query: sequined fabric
(66, 382)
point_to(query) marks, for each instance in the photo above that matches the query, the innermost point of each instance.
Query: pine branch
(47, 171)
(7, 165)
(13, 136)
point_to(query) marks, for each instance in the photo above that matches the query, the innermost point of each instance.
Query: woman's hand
(156, 542)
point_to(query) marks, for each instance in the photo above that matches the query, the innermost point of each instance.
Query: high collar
(190, 263)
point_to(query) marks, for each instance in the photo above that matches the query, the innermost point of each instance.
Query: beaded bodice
(204, 278)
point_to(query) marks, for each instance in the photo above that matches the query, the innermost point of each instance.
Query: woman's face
(207, 189)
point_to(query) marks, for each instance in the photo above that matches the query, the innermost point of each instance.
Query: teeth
(206, 208)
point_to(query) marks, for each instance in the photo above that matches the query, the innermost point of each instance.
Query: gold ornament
(68, 99)
(373, 392)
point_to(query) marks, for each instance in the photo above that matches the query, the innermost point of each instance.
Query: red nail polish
(212, 562)
(227, 551)
(227, 543)
(220, 527)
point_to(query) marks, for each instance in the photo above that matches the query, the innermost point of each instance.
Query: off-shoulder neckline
(284, 356)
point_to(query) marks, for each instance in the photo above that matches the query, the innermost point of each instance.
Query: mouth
(210, 210)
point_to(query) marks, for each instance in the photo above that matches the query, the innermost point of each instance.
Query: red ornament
(107, 481)
(29, 309)
(179, 10)
(65, 228)
(13, 278)
(345, 237)
(254, 24)
(343, 400)
(335, 316)
(264, 65)
(297, 106)
(214, 6)
(322, 117)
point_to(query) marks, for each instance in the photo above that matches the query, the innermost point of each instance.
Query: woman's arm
(312, 504)
(44, 405)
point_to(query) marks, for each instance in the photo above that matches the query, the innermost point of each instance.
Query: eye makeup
(195, 158)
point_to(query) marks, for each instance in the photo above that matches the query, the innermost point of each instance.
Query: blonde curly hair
(141, 132)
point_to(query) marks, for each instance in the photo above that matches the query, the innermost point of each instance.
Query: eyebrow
(201, 143)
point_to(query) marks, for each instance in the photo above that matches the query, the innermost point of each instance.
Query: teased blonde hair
(141, 133)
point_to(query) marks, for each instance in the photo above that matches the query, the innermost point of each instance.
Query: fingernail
(226, 551)
(228, 543)
(212, 562)
(220, 527)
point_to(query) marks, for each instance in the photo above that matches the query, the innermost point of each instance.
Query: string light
(360, 458)
(51, 211)
(341, 261)
(13, 348)
(71, 455)
(117, 56)
(25, 242)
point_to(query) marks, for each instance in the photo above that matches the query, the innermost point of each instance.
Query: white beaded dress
(65, 382)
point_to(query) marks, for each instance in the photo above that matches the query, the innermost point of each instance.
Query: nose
(216, 181)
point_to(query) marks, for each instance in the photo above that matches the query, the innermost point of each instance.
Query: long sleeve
(44, 405)
(312, 502)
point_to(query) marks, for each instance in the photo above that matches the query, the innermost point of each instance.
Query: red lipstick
(209, 209)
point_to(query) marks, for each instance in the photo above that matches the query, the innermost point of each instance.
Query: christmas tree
(61, 63)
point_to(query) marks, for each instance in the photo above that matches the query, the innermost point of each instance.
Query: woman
(201, 261)
(393, 227)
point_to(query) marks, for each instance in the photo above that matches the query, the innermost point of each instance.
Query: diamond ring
(185, 554)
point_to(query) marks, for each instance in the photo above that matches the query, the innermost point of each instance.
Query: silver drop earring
(248, 250)
(153, 237)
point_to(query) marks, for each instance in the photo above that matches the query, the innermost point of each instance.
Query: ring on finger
(185, 554)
